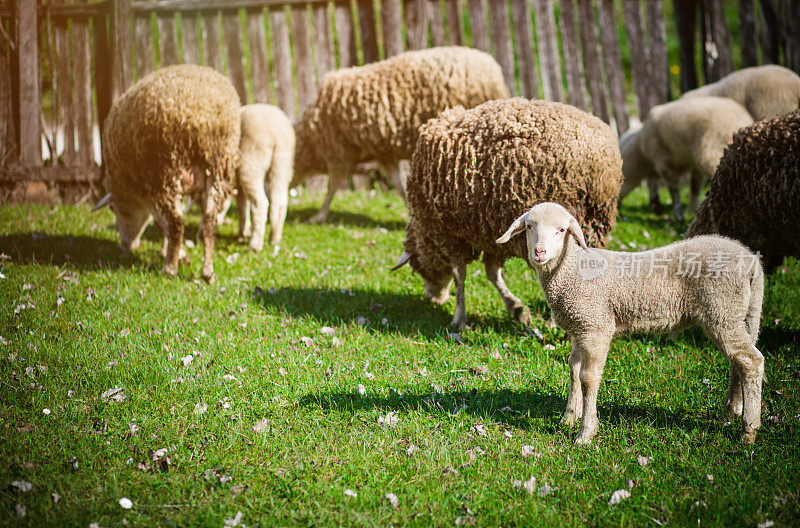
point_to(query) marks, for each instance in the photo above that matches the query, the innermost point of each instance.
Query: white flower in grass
(262, 426)
(126, 503)
(390, 419)
(528, 450)
(393, 500)
(618, 496)
(200, 408)
(361, 390)
(307, 341)
(328, 331)
(350, 493)
(187, 360)
(46, 411)
(423, 372)
(643, 461)
(412, 449)
(133, 427)
(232, 523)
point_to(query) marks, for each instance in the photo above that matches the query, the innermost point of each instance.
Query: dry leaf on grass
(262, 426)
(200, 408)
(350, 493)
(618, 496)
(328, 331)
(22, 485)
(116, 394)
(393, 500)
(389, 419)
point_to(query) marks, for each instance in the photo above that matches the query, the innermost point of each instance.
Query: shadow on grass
(344, 217)
(514, 408)
(642, 215)
(406, 314)
(776, 339)
(77, 252)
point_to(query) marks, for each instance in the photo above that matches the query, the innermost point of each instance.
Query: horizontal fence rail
(62, 64)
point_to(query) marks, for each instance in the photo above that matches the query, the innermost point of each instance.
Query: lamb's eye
(561, 230)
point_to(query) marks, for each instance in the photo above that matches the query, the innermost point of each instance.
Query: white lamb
(711, 282)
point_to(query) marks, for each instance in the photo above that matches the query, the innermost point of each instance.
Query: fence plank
(747, 31)
(614, 73)
(49, 40)
(548, 50)
(639, 55)
(211, 44)
(7, 141)
(65, 98)
(437, 22)
(592, 59)
(417, 24)
(525, 56)
(501, 36)
(323, 41)
(168, 39)
(144, 47)
(572, 56)
(658, 63)
(392, 27)
(717, 48)
(478, 26)
(302, 55)
(455, 22)
(102, 69)
(366, 26)
(282, 60)
(83, 89)
(345, 34)
(259, 67)
(685, 23)
(233, 45)
(29, 97)
(191, 49)
(791, 33)
(121, 45)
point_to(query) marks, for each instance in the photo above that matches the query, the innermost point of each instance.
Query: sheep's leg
(746, 358)
(494, 272)
(575, 401)
(655, 200)
(253, 189)
(594, 351)
(170, 219)
(460, 317)
(211, 204)
(243, 206)
(280, 177)
(396, 176)
(675, 191)
(733, 401)
(695, 186)
(336, 178)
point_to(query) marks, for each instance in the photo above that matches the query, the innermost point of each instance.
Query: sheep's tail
(753, 319)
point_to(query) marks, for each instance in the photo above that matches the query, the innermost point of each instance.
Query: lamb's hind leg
(746, 358)
(494, 272)
(460, 317)
(575, 401)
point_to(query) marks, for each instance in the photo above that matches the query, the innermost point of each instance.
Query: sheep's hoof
(732, 411)
(459, 322)
(570, 418)
(318, 218)
(256, 247)
(523, 315)
(440, 300)
(749, 435)
(583, 440)
(241, 239)
(208, 277)
(170, 271)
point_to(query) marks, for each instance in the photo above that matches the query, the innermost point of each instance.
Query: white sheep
(266, 155)
(686, 135)
(711, 282)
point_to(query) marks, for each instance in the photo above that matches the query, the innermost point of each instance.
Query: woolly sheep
(373, 112)
(266, 152)
(594, 295)
(174, 132)
(755, 195)
(476, 170)
(687, 135)
(765, 91)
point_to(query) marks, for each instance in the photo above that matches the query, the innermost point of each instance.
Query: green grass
(95, 319)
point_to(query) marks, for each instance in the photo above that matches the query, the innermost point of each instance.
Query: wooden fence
(61, 65)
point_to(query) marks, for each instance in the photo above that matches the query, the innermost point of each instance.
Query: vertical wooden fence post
(366, 23)
(7, 135)
(717, 43)
(685, 22)
(747, 30)
(120, 45)
(29, 97)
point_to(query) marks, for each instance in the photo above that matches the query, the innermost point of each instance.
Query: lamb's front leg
(494, 272)
(575, 400)
(460, 317)
(594, 351)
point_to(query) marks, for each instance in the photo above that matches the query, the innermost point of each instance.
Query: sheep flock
(485, 165)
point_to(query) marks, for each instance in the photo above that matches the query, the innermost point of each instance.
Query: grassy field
(198, 368)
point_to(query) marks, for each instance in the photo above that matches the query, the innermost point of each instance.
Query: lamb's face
(547, 227)
(132, 218)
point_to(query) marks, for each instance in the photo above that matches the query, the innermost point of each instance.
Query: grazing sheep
(755, 195)
(765, 91)
(594, 295)
(266, 152)
(174, 132)
(373, 112)
(476, 170)
(687, 135)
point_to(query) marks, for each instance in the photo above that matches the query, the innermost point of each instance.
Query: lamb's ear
(105, 201)
(576, 231)
(517, 227)
(404, 259)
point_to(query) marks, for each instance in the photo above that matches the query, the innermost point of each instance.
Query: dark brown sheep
(475, 171)
(755, 195)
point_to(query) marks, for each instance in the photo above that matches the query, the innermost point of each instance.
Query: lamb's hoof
(570, 418)
(731, 412)
(749, 435)
(256, 247)
(169, 271)
(209, 277)
(459, 323)
(440, 300)
(318, 218)
(583, 440)
(523, 315)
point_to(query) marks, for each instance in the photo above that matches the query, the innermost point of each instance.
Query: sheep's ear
(105, 201)
(517, 227)
(404, 259)
(576, 231)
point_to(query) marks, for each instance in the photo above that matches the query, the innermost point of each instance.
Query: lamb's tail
(753, 318)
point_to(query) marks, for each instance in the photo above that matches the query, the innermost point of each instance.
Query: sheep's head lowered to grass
(132, 219)
(548, 227)
(433, 267)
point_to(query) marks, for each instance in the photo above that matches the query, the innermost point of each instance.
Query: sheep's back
(755, 195)
(172, 119)
(378, 108)
(475, 171)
